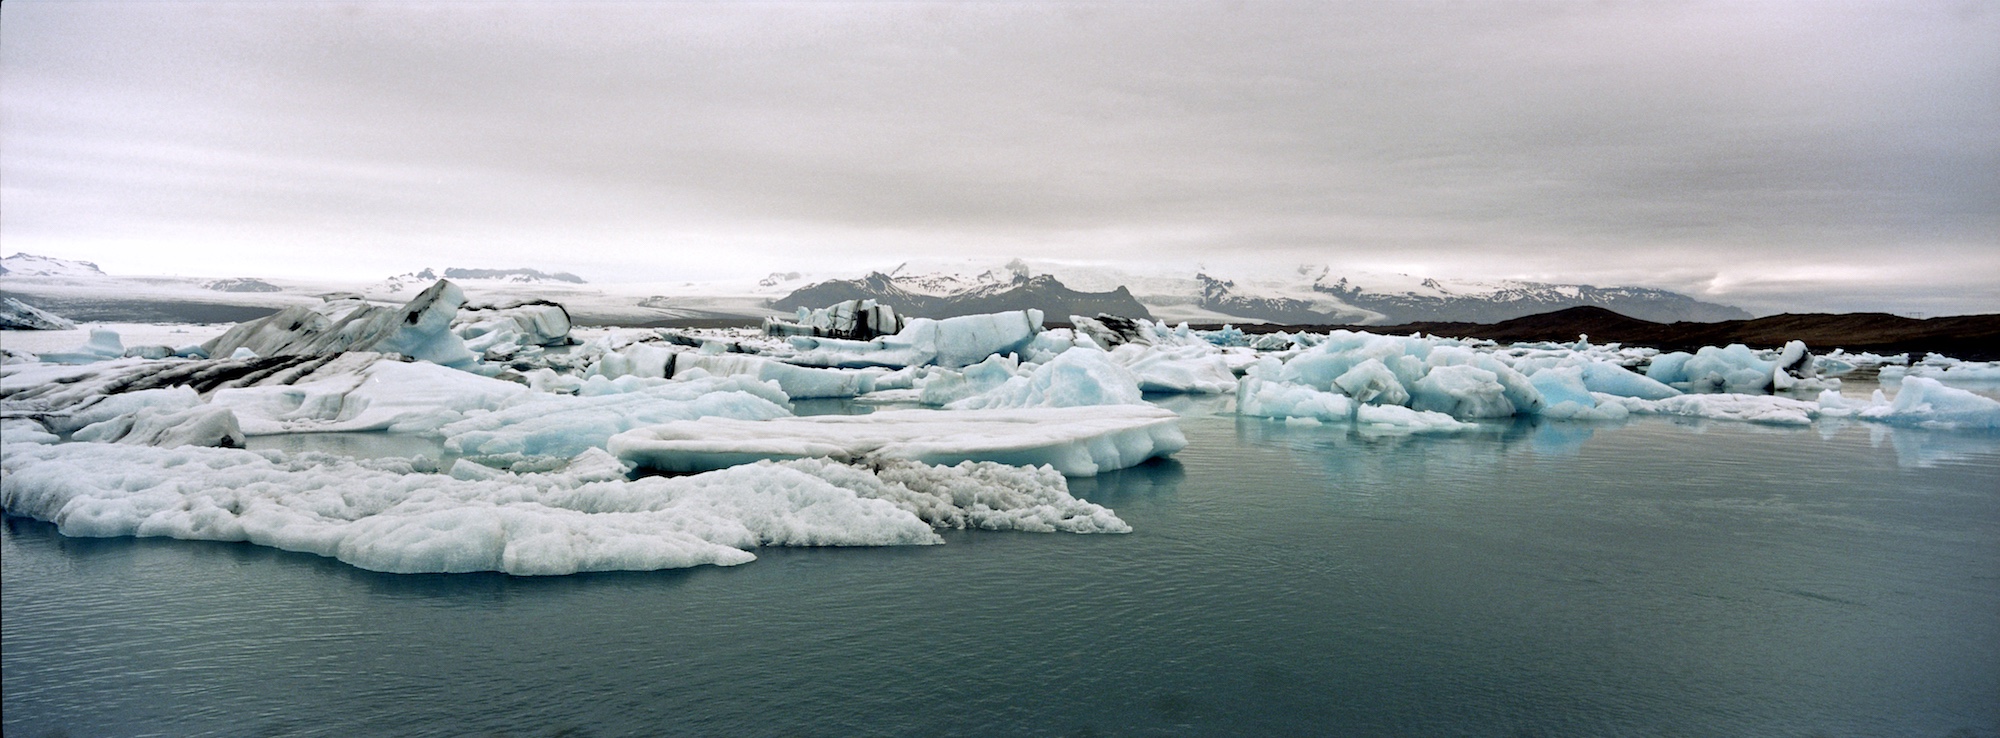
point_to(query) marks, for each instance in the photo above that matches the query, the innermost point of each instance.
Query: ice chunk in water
(1076, 377)
(562, 425)
(104, 344)
(1077, 441)
(205, 425)
(385, 517)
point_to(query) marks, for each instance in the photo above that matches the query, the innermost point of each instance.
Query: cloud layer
(1777, 155)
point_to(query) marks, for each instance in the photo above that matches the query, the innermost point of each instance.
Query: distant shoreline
(1969, 337)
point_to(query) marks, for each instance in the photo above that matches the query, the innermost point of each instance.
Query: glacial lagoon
(1657, 576)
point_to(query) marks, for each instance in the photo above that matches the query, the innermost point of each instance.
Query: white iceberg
(951, 342)
(104, 345)
(1258, 397)
(20, 316)
(420, 329)
(507, 330)
(1193, 369)
(384, 516)
(204, 425)
(1754, 408)
(366, 392)
(563, 425)
(1077, 441)
(1074, 378)
(798, 382)
(1928, 403)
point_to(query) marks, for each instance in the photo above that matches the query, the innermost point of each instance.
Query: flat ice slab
(1077, 441)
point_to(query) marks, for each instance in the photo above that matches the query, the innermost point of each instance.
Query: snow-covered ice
(1074, 378)
(20, 316)
(562, 425)
(1077, 441)
(421, 329)
(384, 515)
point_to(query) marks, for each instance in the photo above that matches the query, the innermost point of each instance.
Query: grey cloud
(1614, 138)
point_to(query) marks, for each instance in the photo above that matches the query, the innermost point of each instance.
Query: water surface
(1650, 578)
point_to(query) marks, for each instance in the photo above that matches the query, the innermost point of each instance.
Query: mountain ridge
(1968, 337)
(914, 297)
(1309, 295)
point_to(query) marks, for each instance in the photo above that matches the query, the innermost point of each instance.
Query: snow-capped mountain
(1308, 294)
(241, 284)
(944, 294)
(1509, 300)
(30, 265)
(421, 279)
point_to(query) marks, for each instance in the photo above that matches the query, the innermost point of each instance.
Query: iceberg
(104, 345)
(1737, 369)
(383, 515)
(366, 392)
(503, 331)
(1074, 378)
(204, 425)
(26, 430)
(1076, 441)
(951, 343)
(1372, 383)
(1928, 403)
(1612, 379)
(420, 329)
(944, 386)
(20, 316)
(564, 425)
(1565, 396)
(1196, 369)
(1754, 408)
(1258, 397)
(857, 320)
(798, 382)
(1462, 390)
(1946, 369)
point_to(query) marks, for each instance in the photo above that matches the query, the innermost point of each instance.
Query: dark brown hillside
(1972, 337)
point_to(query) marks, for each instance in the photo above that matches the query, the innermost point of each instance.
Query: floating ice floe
(1737, 369)
(940, 386)
(20, 316)
(798, 382)
(366, 392)
(564, 425)
(498, 332)
(1197, 369)
(384, 515)
(853, 319)
(1945, 369)
(203, 425)
(104, 345)
(1922, 402)
(1077, 441)
(1257, 397)
(1074, 378)
(421, 329)
(951, 342)
(1767, 409)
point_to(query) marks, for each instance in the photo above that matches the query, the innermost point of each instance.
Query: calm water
(1651, 578)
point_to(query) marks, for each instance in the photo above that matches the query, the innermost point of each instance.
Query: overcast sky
(1809, 155)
